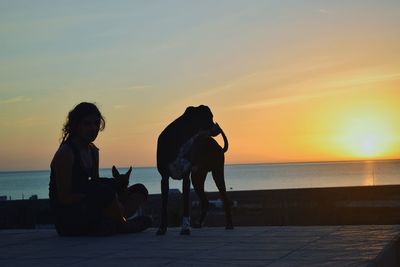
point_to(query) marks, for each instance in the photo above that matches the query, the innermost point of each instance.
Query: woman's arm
(95, 170)
(62, 165)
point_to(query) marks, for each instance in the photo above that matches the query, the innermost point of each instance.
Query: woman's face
(88, 128)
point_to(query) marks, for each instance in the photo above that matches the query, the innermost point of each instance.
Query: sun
(365, 136)
(368, 145)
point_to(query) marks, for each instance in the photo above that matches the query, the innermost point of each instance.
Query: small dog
(174, 144)
(130, 200)
(131, 197)
(122, 182)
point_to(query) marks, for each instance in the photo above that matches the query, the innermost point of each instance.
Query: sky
(288, 81)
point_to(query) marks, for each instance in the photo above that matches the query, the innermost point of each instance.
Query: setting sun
(367, 136)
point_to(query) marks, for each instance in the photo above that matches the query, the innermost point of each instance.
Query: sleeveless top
(80, 175)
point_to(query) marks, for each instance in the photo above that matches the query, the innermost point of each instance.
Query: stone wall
(310, 206)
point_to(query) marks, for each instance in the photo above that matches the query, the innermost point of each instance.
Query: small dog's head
(122, 179)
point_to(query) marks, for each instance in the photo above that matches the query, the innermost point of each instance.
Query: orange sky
(287, 81)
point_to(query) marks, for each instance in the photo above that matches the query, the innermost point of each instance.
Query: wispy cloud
(139, 87)
(120, 106)
(366, 79)
(226, 87)
(323, 11)
(327, 88)
(285, 100)
(132, 88)
(275, 78)
(21, 123)
(18, 99)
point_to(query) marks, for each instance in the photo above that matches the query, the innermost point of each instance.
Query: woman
(84, 203)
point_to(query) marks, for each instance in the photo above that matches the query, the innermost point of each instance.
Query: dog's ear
(115, 172)
(129, 171)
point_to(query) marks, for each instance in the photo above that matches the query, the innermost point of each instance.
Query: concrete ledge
(306, 206)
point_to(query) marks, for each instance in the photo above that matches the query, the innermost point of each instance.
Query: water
(19, 185)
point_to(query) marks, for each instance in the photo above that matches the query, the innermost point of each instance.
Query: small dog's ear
(129, 171)
(115, 172)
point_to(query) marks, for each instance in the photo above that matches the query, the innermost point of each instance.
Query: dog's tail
(225, 141)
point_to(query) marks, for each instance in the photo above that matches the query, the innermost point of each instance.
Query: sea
(25, 184)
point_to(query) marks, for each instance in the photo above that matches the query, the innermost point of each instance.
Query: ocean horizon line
(233, 164)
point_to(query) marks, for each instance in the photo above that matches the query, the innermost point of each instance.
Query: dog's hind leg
(218, 176)
(186, 199)
(198, 179)
(164, 200)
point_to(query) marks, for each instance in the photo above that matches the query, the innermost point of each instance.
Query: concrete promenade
(369, 245)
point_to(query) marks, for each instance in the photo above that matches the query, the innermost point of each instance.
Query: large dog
(179, 144)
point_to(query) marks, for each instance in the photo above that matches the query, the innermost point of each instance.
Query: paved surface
(243, 246)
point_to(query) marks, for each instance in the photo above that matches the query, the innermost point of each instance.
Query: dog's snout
(215, 130)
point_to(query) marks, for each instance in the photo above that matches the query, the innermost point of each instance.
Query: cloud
(120, 106)
(226, 87)
(283, 100)
(18, 99)
(27, 122)
(139, 87)
(130, 88)
(328, 88)
(278, 77)
(366, 79)
(323, 11)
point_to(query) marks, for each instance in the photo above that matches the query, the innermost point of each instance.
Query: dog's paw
(185, 231)
(161, 231)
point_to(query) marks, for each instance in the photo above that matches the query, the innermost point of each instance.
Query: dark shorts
(84, 217)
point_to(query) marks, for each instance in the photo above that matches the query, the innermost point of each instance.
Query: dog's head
(122, 179)
(201, 118)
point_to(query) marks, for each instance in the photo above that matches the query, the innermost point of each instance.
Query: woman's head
(84, 121)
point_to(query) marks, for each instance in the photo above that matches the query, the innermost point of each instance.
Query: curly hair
(76, 115)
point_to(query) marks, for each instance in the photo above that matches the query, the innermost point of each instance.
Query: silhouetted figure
(176, 153)
(83, 203)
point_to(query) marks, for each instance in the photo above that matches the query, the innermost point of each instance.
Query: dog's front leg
(186, 199)
(164, 205)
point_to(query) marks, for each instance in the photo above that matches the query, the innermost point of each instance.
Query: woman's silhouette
(83, 203)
